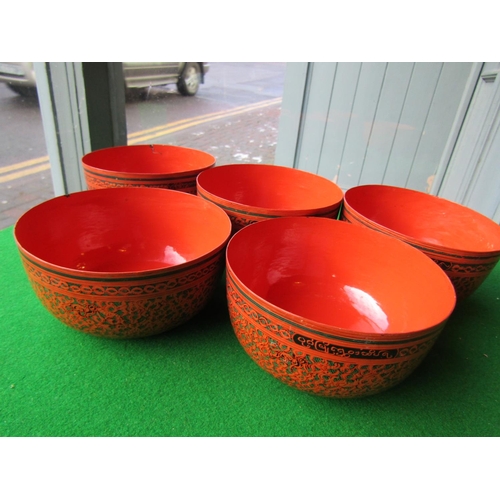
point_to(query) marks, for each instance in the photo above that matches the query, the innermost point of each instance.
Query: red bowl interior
(148, 159)
(269, 187)
(122, 230)
(339, 275)
(425, 218)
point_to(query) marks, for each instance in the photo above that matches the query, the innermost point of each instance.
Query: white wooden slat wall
(361, 123)
(473, 174)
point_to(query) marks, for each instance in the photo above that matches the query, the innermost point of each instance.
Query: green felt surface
(197, 381)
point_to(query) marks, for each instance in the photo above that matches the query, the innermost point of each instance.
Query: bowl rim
(324, 331)
(136, 177)
(441, 249)
(327, 330)
(440, 253)
(253, 210)
(262, 213)
(120, 275)
(146, 176)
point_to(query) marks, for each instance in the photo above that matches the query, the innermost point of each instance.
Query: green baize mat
(196, 380)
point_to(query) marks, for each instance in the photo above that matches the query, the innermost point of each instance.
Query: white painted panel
(484, 195)
(387, 122)
(438, 124)
(318, 102)
(363, 112)
(473, 174)
(65, 121)
(339, 117)
(456, 127)
(289, 134)
(471, 141)
(414, 114)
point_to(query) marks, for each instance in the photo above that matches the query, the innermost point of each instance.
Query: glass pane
(25, 179)
(234, 114)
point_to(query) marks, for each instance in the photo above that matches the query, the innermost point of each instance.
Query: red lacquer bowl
(124, 263)
(331, 308)
(149, 165)
(463, 242)
(250, 193)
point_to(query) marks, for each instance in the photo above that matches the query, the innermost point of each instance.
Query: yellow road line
(215, 115)
(153, 133)
(23, 164)
(20, 169)
(24, 173)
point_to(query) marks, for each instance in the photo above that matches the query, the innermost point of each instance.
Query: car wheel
(23, 91)
(189, 81)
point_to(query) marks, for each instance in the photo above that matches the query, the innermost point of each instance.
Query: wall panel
(322, 77)
(411, 127)
(438, 125)
(472, 176)
(387, 126)
(364, 109)
(339, 118)
(376, 122)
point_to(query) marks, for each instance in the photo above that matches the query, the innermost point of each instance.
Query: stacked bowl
(331, 308)
(148, 165)
(463, 242)
(250, 193)
(123, 263)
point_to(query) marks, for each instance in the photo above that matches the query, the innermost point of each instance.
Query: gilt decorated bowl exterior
(123, 263)
(463, 242)
(250, 193)
(148, 165)
(333, 309)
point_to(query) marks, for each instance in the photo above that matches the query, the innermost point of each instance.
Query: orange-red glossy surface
(426, 218)
(318, 297)
(253, 192)
(148, 165)
(125, 262)
(465, 243)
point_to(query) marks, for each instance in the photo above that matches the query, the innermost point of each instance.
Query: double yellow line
(19, 169)
(29, 167)
(153, 133)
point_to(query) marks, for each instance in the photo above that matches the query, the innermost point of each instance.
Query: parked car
(20, 76)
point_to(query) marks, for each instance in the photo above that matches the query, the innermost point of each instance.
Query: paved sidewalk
(245, 138)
